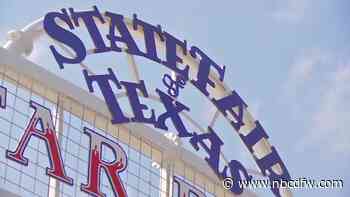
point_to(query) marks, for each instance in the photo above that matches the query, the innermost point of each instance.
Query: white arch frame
(21, 43)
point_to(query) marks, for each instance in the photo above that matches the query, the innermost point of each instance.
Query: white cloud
(3, 36)
(327, 123)
(331, 121)
(292, 10)
(317, 91)
(302, 70)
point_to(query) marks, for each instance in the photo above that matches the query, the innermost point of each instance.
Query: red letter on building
(112, 169)
(42, 116)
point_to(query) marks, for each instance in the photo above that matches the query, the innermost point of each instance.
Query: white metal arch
(21, 42)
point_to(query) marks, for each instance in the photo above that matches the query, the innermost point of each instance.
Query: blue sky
(289, 60)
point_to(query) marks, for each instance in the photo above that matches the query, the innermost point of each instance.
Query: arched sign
(191, 67)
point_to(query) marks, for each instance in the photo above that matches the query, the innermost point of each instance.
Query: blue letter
(137, 107)
(227, 104)
(62, 35)
(106, 89)
(171, 44)
(149, 32)
(204, 70)
(117, 21)
(214, 149)
(88, 19)
(173, 108)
